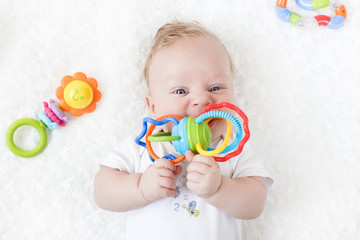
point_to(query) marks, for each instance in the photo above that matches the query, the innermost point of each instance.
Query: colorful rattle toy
(78, 94)
(190, 133)
(311, 5)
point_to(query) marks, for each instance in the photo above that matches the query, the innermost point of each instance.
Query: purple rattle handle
(57, 111)
(51, 115)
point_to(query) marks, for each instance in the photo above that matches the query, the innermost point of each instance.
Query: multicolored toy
(190, 133)
(312, 5)
(78, 94)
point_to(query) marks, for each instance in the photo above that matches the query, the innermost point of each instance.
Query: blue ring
(232, 119)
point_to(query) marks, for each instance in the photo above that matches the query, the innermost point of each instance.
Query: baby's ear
(150, 104)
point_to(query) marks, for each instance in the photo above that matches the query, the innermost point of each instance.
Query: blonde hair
(171, 32)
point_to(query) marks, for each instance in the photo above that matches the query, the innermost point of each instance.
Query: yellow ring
(209, 119)
(221, 148)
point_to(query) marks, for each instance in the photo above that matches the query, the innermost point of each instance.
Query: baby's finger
(165, 192)
(164, 163)
(178, 169)
(164, 172)
(189, 155)
(168, 183)
(198, 167)
(203, 159)
(194, 177)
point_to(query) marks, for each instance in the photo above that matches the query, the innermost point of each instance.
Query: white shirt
(185, 216)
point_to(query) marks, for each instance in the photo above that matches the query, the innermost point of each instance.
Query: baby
(186, 70)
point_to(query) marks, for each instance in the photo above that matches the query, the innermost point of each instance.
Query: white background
(299, 87)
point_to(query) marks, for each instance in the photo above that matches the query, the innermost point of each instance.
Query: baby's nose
(202, 100)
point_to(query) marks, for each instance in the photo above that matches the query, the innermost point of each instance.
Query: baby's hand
(204, 175)
(157, 181)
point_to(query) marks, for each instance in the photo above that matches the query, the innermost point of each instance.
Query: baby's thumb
(189, 155)
(178, 170)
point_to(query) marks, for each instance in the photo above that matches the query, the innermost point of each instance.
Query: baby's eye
(213, 89)
(180, 91)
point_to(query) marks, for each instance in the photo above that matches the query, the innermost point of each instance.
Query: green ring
(163, 137)
(23, 153)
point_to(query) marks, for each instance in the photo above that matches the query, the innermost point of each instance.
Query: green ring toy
(78, 94)
(30, 122)
(163, 137)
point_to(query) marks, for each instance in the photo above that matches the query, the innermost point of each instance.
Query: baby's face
(189, 75)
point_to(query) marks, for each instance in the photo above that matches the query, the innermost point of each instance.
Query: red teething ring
(245, 127)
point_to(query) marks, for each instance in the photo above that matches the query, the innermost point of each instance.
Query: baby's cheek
(167, 107)
(168, 127)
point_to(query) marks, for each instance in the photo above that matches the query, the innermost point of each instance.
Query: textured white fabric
(299, 87)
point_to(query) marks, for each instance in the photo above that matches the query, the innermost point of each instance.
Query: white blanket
(299, 86)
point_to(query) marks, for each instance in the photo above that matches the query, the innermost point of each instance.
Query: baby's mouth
(212, 123)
